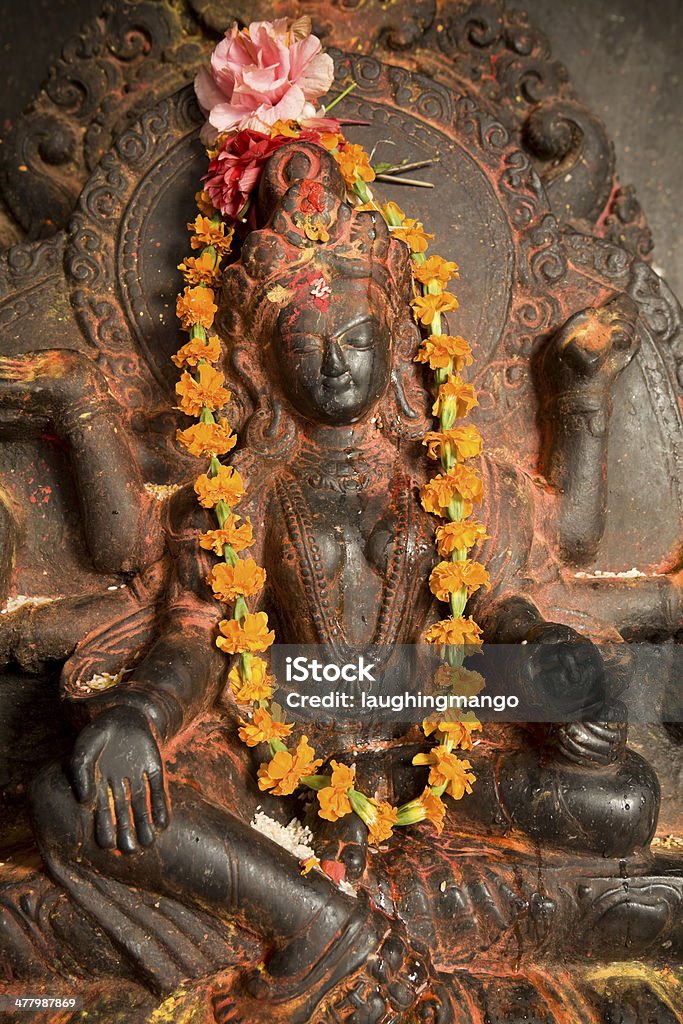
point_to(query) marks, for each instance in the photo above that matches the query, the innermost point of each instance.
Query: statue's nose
(333, 361)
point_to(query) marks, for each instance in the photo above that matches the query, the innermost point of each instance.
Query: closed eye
(302, 343)
(360, 336)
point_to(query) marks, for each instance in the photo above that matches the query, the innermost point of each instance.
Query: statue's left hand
(596, 744)
(116, 763)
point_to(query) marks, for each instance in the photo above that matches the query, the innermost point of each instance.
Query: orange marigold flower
(259, 685)
(206, 392)
(354, 163)
(458, 730)
(465, 440)
(284, 772)
(448, 770)
(461, 681)
(238, 537)
(457, 395)
(288, 129)
(196, 349)
(205, 232)
(381, 824)
(444, 350)
(459, 536)
(393, 214)
(243, 579)
(196, 306)
(251, 635)
(334, 800)
(427, 807)
(435, 269)
(207, 439)
(454, 632)
(427, 307)
(460, 482)
(204, 204)
(227, 485)
(448, 577)
(413, 234)
(434, 808)
(202, 269)
(262, 728)
(331, 140)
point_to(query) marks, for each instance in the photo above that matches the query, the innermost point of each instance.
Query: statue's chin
(336, 408)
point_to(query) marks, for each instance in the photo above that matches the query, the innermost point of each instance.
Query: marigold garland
(450, 494)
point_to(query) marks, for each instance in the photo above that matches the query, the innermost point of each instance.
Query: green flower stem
(230, 555)
(455, 655)
(361, 190)
(214, 466)
(223, 511)
(197, 331)
(245, 668)
(411, 813)
(275, 746)
(207, 415)
(448, 414)
(341, 96)
(361, 806)
(241, 609)
(457, 602)
(211, 250)
(449, 456)
(455, 510)
(316, 781)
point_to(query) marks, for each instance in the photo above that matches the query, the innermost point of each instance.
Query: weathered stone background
(623, 56)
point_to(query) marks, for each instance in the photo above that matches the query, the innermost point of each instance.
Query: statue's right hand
(117, 769)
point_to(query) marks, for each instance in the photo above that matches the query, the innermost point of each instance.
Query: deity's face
(333, 352)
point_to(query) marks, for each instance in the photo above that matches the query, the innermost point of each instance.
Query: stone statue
(152, 869)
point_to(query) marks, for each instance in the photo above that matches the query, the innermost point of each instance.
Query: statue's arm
(182, 673)
(120, 750)
(63, 390)
(576, 376)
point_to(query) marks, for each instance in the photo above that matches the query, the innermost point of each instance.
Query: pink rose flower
(267, 73)
(236, 169)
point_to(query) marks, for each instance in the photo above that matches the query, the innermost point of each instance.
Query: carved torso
(349, 560)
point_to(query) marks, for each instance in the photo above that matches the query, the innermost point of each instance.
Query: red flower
(236, 170)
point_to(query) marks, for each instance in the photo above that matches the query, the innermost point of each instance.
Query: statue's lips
(337, 383)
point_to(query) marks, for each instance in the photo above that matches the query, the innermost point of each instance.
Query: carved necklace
(395, 586)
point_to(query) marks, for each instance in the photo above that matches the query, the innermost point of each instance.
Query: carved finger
(581, 751)
(83, 762)
(138, 802)
(105, 835)
(158, 798)
(125, 838)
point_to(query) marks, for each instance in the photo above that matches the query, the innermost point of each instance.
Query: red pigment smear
(41, 496)
(311, 197)
(334, 870)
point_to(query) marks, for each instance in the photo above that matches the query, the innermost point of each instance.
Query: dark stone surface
(623, 57)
